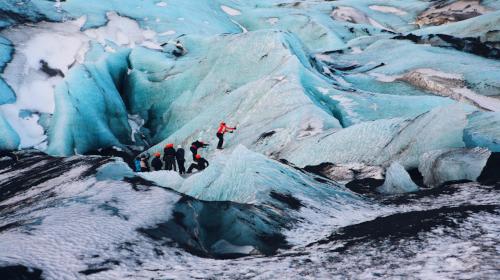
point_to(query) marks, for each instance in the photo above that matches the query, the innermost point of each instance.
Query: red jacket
(224, 128)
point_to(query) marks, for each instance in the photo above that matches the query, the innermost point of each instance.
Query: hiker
(179, 156)
(169, 157)
(200, 164)
(195, 146)
(223, 128)
(137, 164)
(144, 164)
(156, 162)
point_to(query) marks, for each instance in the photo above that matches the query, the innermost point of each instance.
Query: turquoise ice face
(301, 72)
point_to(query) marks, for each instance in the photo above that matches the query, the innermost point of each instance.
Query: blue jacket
(137, 165)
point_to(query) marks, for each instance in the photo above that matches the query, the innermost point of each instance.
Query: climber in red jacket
(223, 128)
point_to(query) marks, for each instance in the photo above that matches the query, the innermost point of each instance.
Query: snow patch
(163, 178)
(230, 11)
(388, 9)
(273, 20)
(385, 78)
(135, 122)
(167, 33)
(121, 31)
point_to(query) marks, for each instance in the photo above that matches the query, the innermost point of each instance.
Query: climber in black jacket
(156, 163)
(195, 146)
(200, 164)
(179, 156)
(169, 157)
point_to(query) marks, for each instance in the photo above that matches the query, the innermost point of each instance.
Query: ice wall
(9, 140)
(441, 166)
(483, 130)
(6, 50)
(397, 181)
(90, 113)
(322, 83)
(384, 141)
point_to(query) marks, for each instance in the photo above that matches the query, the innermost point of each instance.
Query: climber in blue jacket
(137, 164)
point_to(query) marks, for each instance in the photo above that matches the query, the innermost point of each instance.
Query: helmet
(179, 147)
(157, 154)
(170, 145)
(198, 156)
(222, 123)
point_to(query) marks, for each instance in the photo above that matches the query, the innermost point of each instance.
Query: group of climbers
(173, 158)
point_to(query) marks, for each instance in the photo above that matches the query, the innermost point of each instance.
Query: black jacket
(202, 163)
(198, 144)
(157, 163)
(168, 152)
(179, 154)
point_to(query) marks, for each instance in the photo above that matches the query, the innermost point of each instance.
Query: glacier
(483, 130)
(442, 166)
(397, 181)
(367, 141)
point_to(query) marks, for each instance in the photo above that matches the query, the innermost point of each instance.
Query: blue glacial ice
(423, 57)
(293, 88)
(6, 50)
(89, 111)
(251, 178)
(483, 130)
(9, 140)
(277, 61)
(397, 181)
(442, 166)
(358, 86)
(384, 141)
(481, 26)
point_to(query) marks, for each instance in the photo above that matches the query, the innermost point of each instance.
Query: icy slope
(90, 112)
(267, 80)
(250, 178)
